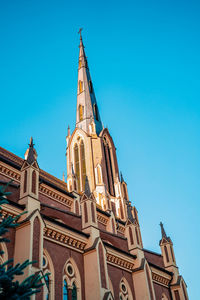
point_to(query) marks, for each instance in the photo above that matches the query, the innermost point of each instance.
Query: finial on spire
(163, 231)
(80, 33)
(68, 131)
(31, 154)
(63, 176)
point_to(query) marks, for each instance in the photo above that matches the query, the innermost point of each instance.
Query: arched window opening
(81, 112)
(74, 292)
(65, 290)
(125, 291)
(25, 181)
(131, 235)
(86, 212)
(137, 237)
(90, 86)
(83, 166)
(172, 254)
(48, 271)
(93, 212)
(177, 296)
(98, 174)
(166, 253)
(95, 108)
(76, 163)
(80, 84)
(80, 64)
(46, 278)
(109, 169)
(34, 182)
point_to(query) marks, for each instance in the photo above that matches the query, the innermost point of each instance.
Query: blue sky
(144, 61)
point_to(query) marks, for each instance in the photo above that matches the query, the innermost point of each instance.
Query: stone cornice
(55, 195)
(102, 219)
(119, 260)
(64, 237)
(9, 172)
(160, 277)
(121, 229)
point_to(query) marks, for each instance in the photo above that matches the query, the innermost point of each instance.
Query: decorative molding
(102, 219)
(51, 193)
(121, 229)
(64, 238)
(9, 172)
(160, 279)
(119, 260)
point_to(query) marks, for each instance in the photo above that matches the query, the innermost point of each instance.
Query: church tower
(91, 151)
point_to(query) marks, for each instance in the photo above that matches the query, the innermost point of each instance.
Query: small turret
(167, 248)
(29, 186)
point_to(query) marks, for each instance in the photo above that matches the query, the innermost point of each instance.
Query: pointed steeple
(164, 235)
(31, 154)
(87, 109)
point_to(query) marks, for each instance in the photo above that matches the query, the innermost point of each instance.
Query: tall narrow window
(83, 167)
(109, 169)
(137, 237)
(86, 212)
(81, 111)
(166, 253)
(172, 253)
(34, 182)
(80, 64)
(90, 86)
(46, 277)
(177, 296)
(96, 111)
(25, 181)
(93, 212)
(98, 174)
(80, 84)
(76, 163)
(74, 292)
(131, 235)
(65, 290)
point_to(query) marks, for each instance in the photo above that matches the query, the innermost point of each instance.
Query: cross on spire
(80, 33)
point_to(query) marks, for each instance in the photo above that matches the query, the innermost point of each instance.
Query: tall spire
(87, 109)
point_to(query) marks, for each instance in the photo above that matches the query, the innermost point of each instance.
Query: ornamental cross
(80, 32)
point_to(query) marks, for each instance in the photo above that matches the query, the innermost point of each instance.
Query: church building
(84, 233)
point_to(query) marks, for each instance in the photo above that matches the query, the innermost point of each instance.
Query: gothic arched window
(81, 112)
(34, 182)
(83, 167)
(76, 163)
(25, 181)
(74, 292)
(166, 253)
(109, 168)
(80, 85)
(65, 290)
(95, 108)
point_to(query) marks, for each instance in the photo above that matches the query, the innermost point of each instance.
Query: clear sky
(144, 61)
